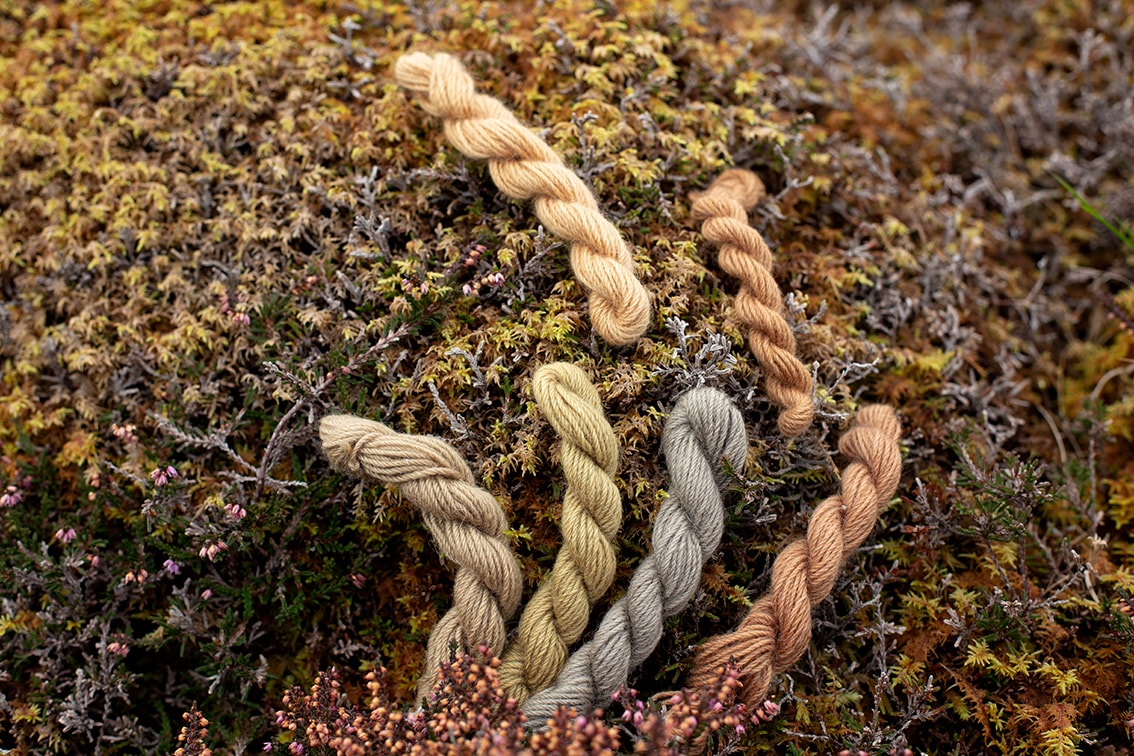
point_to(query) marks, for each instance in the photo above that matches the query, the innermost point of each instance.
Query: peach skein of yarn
(556, 615)
(759, 304)
(524, 167)
(466, 521)
(777, 629)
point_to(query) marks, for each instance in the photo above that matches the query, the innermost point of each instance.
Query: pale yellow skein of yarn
(524, 167)
(556, 616)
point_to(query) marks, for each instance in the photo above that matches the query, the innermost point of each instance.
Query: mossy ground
(219, 221)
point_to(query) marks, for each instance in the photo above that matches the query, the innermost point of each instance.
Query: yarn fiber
(556, 615)
(704, 428)
(525, 167)
(777, 629)
(759, 304)
(466, 521)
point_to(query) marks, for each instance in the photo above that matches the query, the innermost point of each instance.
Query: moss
(218, 221)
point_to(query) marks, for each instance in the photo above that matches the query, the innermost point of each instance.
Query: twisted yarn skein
(777, 629)
(524, 167)
(704, 428)
(466, 521)
(557, 614)
(759, 304)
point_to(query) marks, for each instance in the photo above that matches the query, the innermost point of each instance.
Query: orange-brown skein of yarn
(759, 304)
(524, 167)
(777, 629)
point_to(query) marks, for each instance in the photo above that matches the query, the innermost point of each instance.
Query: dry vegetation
(219, 221)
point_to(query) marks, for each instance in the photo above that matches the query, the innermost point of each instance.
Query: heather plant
(220, 222)
(469, 712)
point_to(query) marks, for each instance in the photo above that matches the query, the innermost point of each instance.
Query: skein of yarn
(524, 167)
(777, 629)
(704, 428)
(466, 521)
(556, 615)
(759, 304)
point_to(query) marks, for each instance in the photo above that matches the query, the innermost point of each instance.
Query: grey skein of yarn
(703, 428)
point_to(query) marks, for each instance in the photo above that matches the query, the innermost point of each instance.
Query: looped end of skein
(794, 420)
(879, 417)
(414, 70)
(447, 89)
(572, 405)
(340, 435)
(735, 184)
(873, 440)
(714, 421)
(562, 378)
(623, 322)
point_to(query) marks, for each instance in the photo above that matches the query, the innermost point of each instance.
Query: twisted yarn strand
(556, 615)
(466, 521)
(777, 629)
(759, 304)
(525, 167)
(704, 428)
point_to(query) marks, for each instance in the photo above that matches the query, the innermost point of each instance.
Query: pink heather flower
(138, 577)
(467, 289)
(496, 279)
(124, 432)
(209, 551)
(66, 536)
(161, 477)
(118, 648)
(172, 567)
(11, 497)
(358, 579)
(241, 318)
(235, 511)
(206, 594)
(267, 746)
(95, 560)
(296, 748)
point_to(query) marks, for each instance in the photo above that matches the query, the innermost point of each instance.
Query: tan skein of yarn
(777, 629)
(759, 304)
(466, 521)
(556, 615)
(524, 167)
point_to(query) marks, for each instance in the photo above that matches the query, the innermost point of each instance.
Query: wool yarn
(466, 521)
(759, 304)
(556, 615)
(704, 428)
(525, 167)
(777, 629)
